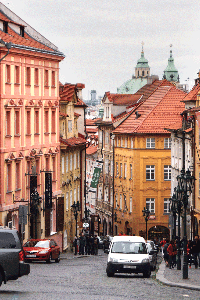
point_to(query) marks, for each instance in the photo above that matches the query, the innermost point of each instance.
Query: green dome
(142, 62)
(131, 86)
(171, 73)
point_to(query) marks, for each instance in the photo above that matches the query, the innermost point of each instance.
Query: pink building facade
(29, 128)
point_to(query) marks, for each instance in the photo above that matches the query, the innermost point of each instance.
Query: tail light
(21, 256)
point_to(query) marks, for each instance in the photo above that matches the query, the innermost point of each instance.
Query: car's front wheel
(49, 259)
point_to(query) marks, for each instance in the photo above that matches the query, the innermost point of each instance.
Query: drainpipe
(8, 46)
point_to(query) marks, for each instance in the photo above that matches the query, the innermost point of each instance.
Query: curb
(161, 278)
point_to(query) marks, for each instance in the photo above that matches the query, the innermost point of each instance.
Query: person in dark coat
(172, 251)
(165, 253)
(81, 244)
(195, 250)
(96, 245)
(91, 243)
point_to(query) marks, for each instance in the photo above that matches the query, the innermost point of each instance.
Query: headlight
(113, 259)
(43, 252)
(145, 260)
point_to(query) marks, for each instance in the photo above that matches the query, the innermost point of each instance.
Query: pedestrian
(96, 245)
(172, 251)
(162, 244)
(91, 242)
(75, 245)
(81, 244)
(87, 245)
(189, 255)
(165, 253)
(195, 250)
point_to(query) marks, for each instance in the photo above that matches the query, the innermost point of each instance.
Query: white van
(128, 254)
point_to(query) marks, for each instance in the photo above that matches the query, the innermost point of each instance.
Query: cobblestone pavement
(174, 277)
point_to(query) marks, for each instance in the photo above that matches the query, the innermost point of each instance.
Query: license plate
(31, 255)
(129, 267)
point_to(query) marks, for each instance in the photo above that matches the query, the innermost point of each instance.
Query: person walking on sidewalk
(165, 253)
(195, 250)
(172, 251)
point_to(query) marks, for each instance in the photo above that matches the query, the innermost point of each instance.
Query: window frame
(150, 169)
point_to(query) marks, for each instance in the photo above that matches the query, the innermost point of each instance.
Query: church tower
(142, 68)
(171, 73)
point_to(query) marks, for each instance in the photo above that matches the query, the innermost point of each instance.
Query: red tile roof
(27, 41)
(73, 141)
(91, 130)
(159, 110)
(122, 99)
(76, 114)
(91, 150)
(192, 95)
(63, 115)
(91, 122)
(68, 91)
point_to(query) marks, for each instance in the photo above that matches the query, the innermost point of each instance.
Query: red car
(41, 249)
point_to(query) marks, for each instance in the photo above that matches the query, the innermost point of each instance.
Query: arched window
(142, 73)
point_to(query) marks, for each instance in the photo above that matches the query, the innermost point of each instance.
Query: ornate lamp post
(146, 214)
(178, 196)
(173, 210)
(76, 209)
(185, 182)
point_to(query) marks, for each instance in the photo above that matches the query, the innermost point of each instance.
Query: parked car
(106, 242)
(41, 249)
(12, 265)
(152, 255)
(100, 245)
(128, 254)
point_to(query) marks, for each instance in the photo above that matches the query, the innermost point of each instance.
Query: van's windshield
(129, 248)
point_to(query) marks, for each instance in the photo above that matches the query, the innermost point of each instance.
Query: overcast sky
(101, 39)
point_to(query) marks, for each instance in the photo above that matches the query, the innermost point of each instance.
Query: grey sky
(101, 39)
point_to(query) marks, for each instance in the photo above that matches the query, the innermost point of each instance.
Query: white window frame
(69, 125)
(125, 170)
(132, 143)
(74, 161)
(167, 143)
(150, 205)
(150, 172)
(130, 204)
(70, 196)
(131, 171)
(67, 200)
(150, 143)
(166, 206)
(120, 201)
(167, 173)
(63, 165)
(70, 162)
(67, 163)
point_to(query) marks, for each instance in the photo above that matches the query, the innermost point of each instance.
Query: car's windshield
(41, 244)
(129, 247)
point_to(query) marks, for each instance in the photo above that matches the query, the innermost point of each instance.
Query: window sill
(36, 134)
(8, 82)
(8, 192)
(8, 136)
(17, 190)
(46, 86)
(36, 85)
(28, 134)
(53, 86)
(27, 84)
(53, 133)
(17, 135)
(46, 133)
(150, 179)
(16, 83)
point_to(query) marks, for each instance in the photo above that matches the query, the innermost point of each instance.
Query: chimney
(79, 87)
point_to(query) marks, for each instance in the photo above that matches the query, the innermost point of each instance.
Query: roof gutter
(8, 46)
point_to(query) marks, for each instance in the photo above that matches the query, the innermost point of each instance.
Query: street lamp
(113, 176)
(34, 207)
(146, 214)
(173, 210)
(185, 183)
(76, 209)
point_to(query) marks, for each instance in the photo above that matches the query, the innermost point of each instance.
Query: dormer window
(22, 31)
(5, 26)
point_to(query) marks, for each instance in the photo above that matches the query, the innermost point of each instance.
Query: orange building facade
(29, 127)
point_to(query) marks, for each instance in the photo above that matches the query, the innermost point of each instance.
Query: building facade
(29, 128)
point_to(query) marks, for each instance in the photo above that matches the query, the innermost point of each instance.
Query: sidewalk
(174, 277)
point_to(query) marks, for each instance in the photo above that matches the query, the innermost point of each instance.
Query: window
(121, 141)
(142, 73)
(53, 79)
(106, 166)
(78, 193)
(70, 162)
(67, 162)
(121, 170)
(150, 204)
(74, 161)
(46, 117)
(47, 164)
(53, 121)
(78, 160)
(67, 201)
(17, 75)
(7, 73)
(167, 143)
(8, 130)
(125, 142)
(150, 172)
(46, 78)
(17, 123)
(131, 171)
(9, 178)
(150, 143)
(5, 26)
(28, 75)
(167, 172)
(131, 204)
(28, 170)
(166, 206)
(125, 170)
(17, 176)
(36, 77)
(120, 201)
(106, 137)
(111, 197)
(22, 31)
(63, 164)
(69, 125)
(132, 143)
(70, 198)
(75, 195)
(36, 121)
(54, 168)
(117, 169)
(118, 141)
